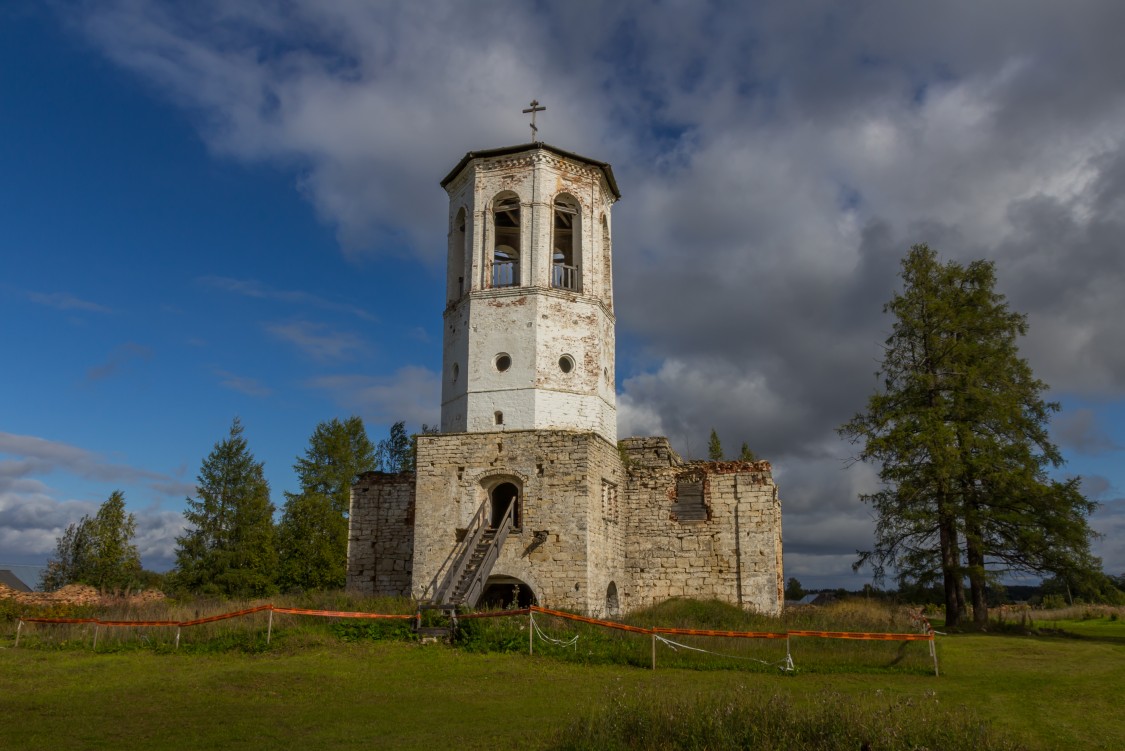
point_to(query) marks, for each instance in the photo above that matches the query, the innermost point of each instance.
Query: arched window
(612, 604)
(566, 245)
(503, 496)
(506, 244)
(456, 264)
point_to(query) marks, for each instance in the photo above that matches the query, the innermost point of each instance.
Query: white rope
(786, 664)
(572, 642)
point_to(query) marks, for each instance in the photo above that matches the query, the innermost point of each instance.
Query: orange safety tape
(59, 620)
(338, 613)
(864, 636)
(594, 621)
(225, 616)
(732, 634)
(138, 623)
(494, 614)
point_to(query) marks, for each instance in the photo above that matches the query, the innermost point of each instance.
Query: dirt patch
(79, 594)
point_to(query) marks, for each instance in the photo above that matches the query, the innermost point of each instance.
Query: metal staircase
(472, 562)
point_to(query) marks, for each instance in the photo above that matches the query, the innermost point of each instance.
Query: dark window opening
(504, 495)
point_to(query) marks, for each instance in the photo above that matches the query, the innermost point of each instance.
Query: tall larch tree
(313, 532)
(959, 432)
(229, 547)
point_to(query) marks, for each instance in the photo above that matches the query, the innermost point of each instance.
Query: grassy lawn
(1046, 692)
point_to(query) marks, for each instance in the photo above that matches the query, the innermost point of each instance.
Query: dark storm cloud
(777, 161)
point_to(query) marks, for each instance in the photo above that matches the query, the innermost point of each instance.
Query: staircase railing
(477, 526)
(475, 589)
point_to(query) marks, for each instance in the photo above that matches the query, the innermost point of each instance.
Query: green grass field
(312, 689)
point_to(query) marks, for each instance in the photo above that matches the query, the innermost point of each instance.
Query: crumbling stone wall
(381, 534)
(595, 520)
(730, 549)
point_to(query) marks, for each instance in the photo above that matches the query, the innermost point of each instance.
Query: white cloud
(33, 514)
(412, 394)
(66, 301)
(257, 289)
(119, 358)
(243, 384)
(318, 341)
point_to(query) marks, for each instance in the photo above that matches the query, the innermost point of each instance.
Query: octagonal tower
(529, 325)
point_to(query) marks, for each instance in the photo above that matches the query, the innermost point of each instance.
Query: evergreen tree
(793, 589)
(714, 447)
(97, 551)
(746, 454)
(229, 546)
(959, 430)
(396, 451)
(312, 543)
(313, 532)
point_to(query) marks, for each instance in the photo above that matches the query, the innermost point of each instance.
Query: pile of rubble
(78, 594)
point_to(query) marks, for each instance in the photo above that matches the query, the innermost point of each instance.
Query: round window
(566, 363)
(502, 362)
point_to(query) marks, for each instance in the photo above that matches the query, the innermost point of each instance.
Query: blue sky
(210, 212)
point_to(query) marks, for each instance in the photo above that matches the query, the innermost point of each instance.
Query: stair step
(434, 631)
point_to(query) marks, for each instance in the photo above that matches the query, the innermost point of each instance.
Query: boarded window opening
(690, 505)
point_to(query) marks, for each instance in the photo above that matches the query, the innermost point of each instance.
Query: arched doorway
(503, 495)
(612, 606)
(502, 592)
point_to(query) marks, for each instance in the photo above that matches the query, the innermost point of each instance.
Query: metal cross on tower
(533, 109)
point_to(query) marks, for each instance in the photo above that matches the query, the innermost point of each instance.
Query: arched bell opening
(502, 496)
(566, 250)
(506, 244)
(502, 592)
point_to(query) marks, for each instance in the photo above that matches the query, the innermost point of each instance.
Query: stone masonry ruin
(526, 495)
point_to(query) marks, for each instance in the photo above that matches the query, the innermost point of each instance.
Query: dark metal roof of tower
(504, 151)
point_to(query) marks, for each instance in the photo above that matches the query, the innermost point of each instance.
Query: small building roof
(9, 579)
(506, 150)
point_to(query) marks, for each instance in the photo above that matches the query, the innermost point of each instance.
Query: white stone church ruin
(526, 495)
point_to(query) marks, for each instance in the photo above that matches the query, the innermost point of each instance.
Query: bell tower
(528, 341)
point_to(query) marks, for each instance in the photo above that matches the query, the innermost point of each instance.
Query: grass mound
(751, 722)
